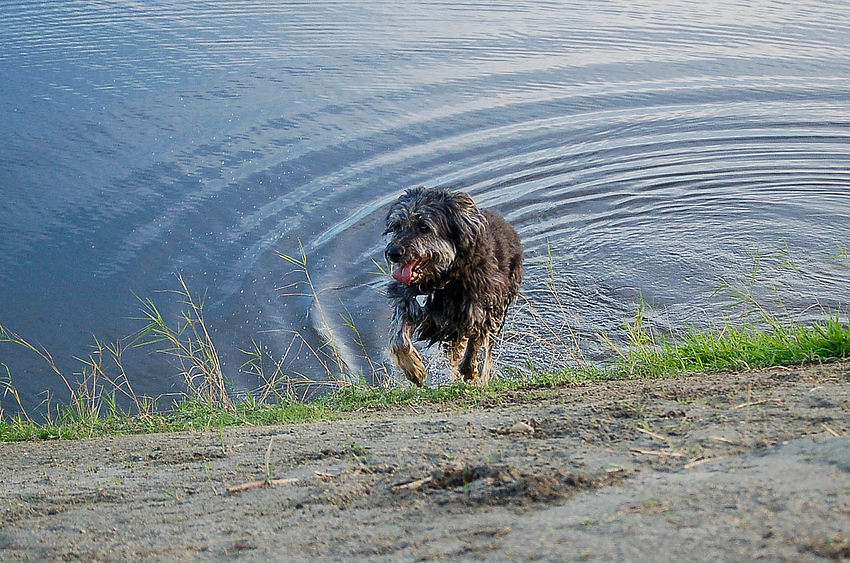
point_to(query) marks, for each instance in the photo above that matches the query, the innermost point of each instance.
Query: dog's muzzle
(408, 273)
(393, 253)
(405, 272)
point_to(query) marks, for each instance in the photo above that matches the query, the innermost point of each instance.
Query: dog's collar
(418, 290)
(423, 297)
(430, 288)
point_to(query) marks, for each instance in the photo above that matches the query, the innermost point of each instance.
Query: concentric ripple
(650, 153)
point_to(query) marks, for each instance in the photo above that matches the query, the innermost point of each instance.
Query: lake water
(654, 149)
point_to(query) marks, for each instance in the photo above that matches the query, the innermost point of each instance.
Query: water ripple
(652, 151)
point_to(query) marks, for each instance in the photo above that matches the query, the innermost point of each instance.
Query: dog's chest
(444, 308)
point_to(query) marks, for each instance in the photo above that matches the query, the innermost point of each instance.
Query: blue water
(656, 149)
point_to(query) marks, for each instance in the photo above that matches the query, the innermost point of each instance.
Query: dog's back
(507, 249)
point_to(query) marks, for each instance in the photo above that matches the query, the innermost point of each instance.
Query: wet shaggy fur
(456, 271)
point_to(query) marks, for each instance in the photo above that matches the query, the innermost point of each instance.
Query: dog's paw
(416, 377)
(410, 362)
(482, 380)
(470, 375)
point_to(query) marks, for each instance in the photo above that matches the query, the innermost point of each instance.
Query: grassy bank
(646, 355)
(101, 392)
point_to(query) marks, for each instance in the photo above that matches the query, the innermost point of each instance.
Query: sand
(730, 466)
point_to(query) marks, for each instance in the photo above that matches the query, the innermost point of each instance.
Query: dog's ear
(467, 221)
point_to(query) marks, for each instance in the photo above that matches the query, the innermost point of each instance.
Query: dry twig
(650, 433)
(259, 484)
(700, 461)
(658, 453)
(750, 404)
(412, 485)
(830, 430)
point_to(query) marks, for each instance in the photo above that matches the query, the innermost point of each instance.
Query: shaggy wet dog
(456, 270)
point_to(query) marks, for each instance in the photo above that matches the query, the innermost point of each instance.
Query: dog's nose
(394, 253)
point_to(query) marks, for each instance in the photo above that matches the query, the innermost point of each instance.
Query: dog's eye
(424, 228)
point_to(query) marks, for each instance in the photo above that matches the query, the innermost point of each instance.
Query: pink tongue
(404, 273)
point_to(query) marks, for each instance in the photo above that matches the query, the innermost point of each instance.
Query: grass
(189, 344)
(645, 357)
(99, 390)
(731, 348)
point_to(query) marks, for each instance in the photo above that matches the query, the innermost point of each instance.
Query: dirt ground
(721, 467)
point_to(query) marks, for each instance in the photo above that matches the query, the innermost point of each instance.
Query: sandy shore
(712, 467)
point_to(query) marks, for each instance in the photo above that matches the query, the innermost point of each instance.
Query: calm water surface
(653, 149)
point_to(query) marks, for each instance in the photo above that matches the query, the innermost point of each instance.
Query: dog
(456, 270)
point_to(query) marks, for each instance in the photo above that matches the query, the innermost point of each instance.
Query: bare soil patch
(731, 466)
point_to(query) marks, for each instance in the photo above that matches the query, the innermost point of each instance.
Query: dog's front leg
(405, 356)
(487, 368)
(468, 368)
(454, 352)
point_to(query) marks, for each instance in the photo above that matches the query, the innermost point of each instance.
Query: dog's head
(428, 229)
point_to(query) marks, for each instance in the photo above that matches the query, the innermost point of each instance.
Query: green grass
(737, 348)
(191, 414)
(646, 356)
